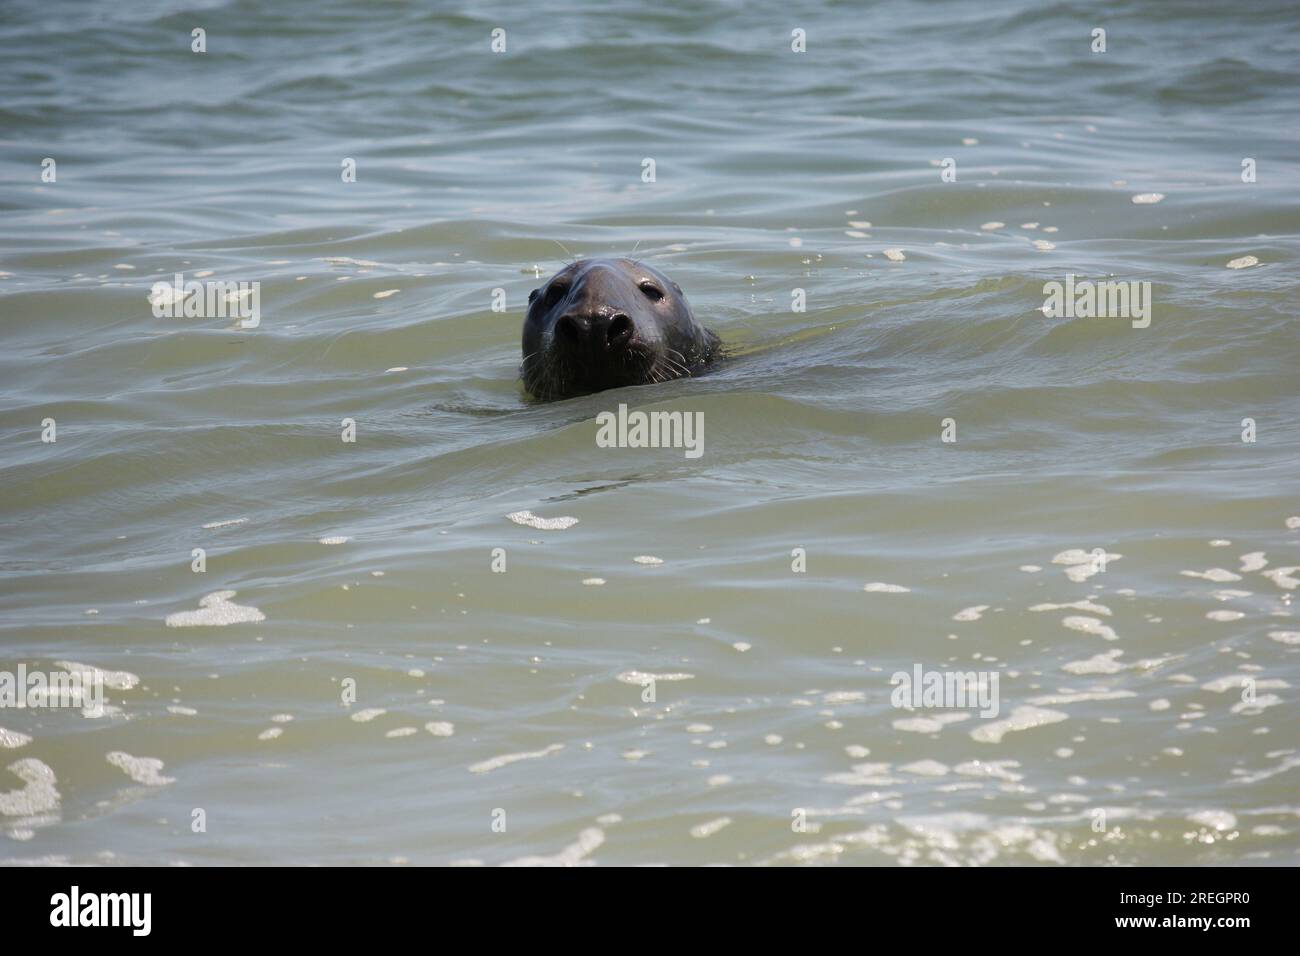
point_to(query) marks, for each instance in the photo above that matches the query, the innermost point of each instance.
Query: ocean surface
(909, 464)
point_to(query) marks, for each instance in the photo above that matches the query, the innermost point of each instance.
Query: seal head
(608, 323)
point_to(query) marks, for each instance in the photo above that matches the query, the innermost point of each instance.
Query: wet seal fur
(609, 323)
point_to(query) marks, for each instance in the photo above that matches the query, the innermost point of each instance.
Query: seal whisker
(675, 366)
(572, 259)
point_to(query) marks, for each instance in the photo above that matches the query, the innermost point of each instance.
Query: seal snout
(595, 332)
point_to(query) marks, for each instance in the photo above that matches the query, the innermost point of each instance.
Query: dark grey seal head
(607, 323)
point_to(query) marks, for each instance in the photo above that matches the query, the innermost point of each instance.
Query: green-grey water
(1147, 702)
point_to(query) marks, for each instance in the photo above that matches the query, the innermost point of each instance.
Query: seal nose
(595, 332)
(619, 331)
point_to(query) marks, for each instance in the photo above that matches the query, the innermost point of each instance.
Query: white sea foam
(702, 830)
(1025, 717)
(1078, 697)
(1103, 663)
(116, 680)
(530, 520)
(224, 524)
(844, 697)
(865, 775)
(1214, 819)
(1254, 561)
(641, 678)
(925, 768)
(145, 770)
(1074, 605)
(997, 769)
(216, 610)
(1283, 577)
(1090, 625)
(928, 725)
(12, 739)
(348, 261)
(1256, 705)
(1218, 575)
(1081, 565)
(1240, 681)
(1225, 615)
(574, 854)
(495, 763)
(38, 793)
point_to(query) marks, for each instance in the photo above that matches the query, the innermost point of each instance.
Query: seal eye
(554, 293)
(652, 291)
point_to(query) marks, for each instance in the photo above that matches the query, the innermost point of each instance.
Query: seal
(609, 323)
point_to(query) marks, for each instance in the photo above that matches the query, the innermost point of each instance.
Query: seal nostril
(620, 330)
(568, 329)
